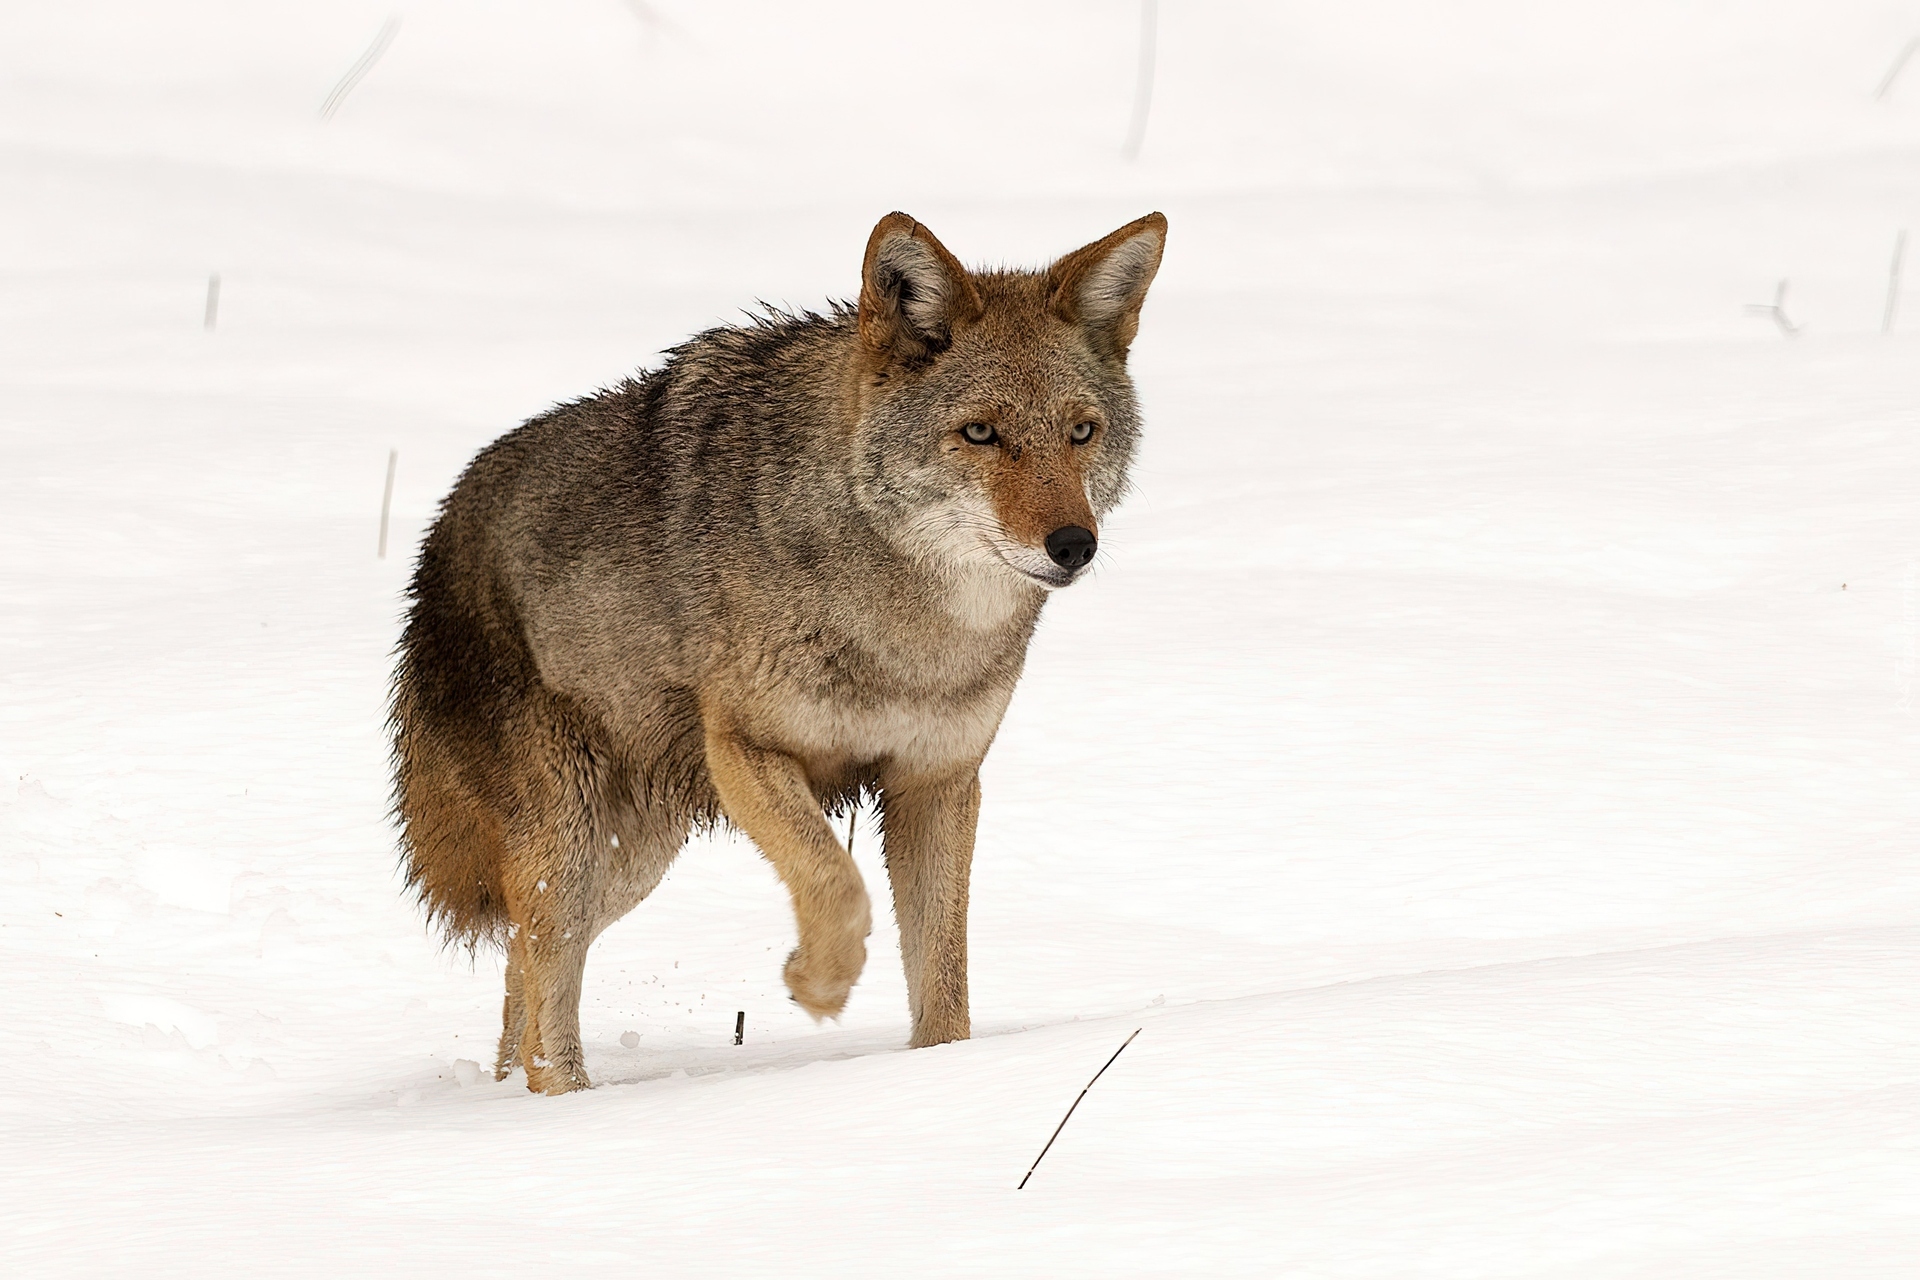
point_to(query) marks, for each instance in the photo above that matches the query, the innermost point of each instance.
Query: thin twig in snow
(1893, 282)
(1893, 72)
(1070, 1110)
(357, 72)
(1143, 84)
(386, 499)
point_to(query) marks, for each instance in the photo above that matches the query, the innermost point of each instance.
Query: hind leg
(554, 1059)
(513, 1014)
(551, 931)
(595, 872)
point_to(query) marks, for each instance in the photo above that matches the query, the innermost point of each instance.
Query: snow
(1467, 764)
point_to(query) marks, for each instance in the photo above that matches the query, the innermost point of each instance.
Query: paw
(555, 1078)
(820, 981)
(932, 1031)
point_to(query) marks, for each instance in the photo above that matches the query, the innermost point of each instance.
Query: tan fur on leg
(513, 1015)
(553, 926)
(929, 833)
(551, 1050)
(766, 795)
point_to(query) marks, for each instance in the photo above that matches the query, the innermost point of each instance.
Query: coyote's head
(996, 415)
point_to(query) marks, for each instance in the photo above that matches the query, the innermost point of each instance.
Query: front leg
(765, 794)
(930, 823)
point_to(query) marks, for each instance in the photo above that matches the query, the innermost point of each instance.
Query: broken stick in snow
(1076, 1102)
(1778, 310)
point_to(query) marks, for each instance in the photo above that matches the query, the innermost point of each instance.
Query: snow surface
(1468, 765)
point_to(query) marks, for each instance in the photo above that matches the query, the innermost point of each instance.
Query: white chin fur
(1035, 566)
(970, 542)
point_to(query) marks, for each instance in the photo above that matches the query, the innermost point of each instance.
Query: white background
(1467, 764)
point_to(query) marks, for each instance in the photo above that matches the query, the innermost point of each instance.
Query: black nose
(1071, 546)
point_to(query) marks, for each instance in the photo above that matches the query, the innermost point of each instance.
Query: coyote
(797, 565)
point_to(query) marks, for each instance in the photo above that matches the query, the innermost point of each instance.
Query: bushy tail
(452, 840)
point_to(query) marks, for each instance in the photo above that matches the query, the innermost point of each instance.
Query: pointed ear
(1100, 288)
(912, 292)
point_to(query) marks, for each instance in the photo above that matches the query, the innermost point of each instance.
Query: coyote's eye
(1081, 433)
(980, 433)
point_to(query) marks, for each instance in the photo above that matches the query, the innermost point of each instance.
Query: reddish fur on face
(1007, 342)
(1036, 490)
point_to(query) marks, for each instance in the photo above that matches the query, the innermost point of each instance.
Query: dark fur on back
(677, 453)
